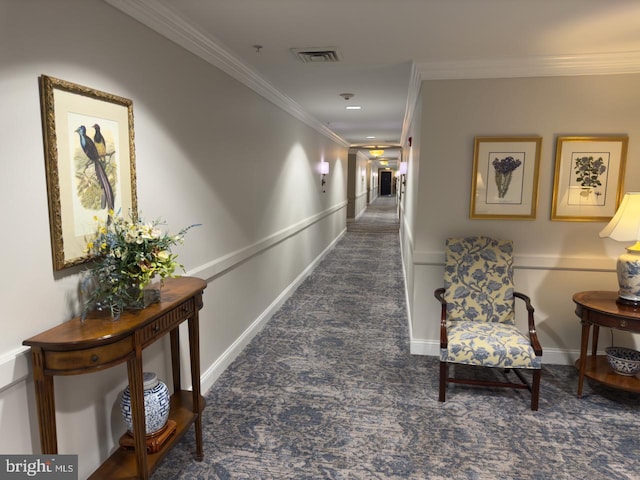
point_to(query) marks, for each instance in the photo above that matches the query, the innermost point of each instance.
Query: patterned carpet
(380, 216)
(328, 390)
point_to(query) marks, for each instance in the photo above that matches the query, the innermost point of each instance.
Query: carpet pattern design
(329, 390)
(381, 216)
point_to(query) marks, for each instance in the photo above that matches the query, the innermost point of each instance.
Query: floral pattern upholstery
(480, 306)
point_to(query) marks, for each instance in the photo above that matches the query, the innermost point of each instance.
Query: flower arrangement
(128, 255)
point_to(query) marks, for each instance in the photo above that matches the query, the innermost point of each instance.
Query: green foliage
(128, 255)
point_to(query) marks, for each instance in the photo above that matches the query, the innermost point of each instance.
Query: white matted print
(589, 178)
(505, 177)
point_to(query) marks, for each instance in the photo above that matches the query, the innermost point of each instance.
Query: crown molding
(164, 21)
(540, 66)
(167, 23)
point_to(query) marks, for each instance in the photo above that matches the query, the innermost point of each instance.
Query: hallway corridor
(322, 391)
(380, 216)
(329, 390)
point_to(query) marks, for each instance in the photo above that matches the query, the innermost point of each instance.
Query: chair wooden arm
(439, 294)
(533, 336)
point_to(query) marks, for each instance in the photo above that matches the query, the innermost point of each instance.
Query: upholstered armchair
(477, 321)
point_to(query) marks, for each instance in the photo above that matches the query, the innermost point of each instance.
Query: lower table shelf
(599, 370)
(122, 464)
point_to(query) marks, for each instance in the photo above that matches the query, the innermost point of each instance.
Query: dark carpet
(328, 390)
(381, 216)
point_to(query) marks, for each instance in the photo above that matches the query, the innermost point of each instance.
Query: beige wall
(553, 259)
(209, 151)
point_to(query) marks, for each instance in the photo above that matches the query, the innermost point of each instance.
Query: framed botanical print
(505, 178)
(589, 178)
(89, 160)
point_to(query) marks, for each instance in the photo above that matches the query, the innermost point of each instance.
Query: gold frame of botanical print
(594, 197)
(504, 184)
(76, 195)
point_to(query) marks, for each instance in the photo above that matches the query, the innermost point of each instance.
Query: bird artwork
(99, 142)
(93, 153)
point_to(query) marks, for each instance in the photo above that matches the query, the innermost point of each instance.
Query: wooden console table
(599, 308)
(76, 347)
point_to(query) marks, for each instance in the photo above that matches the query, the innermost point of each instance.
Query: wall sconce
(625, 227)
(324, 170)
(403, 172)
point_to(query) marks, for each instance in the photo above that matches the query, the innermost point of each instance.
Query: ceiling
(386, 47)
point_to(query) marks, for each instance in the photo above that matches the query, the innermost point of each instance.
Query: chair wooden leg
(444, 372)
(535, 389)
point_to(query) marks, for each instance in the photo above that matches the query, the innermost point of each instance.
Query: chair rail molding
(14, 367)
(533, 262)
(219, 266)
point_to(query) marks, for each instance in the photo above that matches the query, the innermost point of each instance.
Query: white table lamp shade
(625, 227)
(625, 224)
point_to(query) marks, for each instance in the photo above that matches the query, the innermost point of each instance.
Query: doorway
(385, 182)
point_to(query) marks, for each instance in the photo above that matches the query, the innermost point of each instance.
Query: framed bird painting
(90, 163)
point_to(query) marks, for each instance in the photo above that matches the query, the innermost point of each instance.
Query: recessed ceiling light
(354, 107)
(370, 136)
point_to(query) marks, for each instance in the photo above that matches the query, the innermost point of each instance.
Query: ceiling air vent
(317, 55)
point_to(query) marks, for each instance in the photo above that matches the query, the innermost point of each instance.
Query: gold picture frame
(505, 177)
(588, 180)
(90, 163)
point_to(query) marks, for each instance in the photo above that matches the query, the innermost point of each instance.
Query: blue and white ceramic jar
(156, 404)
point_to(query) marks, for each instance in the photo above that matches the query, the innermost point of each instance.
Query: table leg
(175, 358)
(136, 388)
(45, 400)
(594, 341)
(194, 351)
(584, 344)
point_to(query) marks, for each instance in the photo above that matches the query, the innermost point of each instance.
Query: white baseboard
(212, 373)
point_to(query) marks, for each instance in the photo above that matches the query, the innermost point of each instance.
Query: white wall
(409, 204)
(357, 184)
(373, 188)
(361, 179)
(553, 259)
(209, 151)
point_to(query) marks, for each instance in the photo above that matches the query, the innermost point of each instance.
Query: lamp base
(628, 268)
(628, 303)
